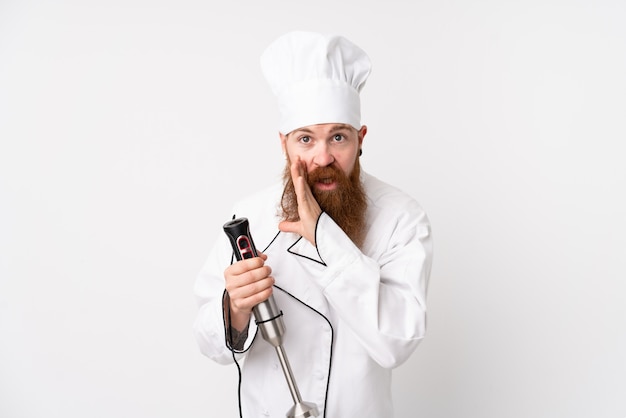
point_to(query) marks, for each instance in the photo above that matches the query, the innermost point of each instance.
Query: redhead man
(346, 256)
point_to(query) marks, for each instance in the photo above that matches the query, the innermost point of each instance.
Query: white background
(124, 125)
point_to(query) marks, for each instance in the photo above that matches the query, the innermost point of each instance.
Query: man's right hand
(248, 283)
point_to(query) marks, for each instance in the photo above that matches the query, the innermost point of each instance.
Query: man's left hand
(309, 210)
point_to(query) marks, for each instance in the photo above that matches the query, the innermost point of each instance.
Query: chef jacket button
(275, 366)
(266, 412)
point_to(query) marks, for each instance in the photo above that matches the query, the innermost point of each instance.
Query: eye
(305, 139)
(338, 138)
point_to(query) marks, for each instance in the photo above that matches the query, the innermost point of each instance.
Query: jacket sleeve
(381, 298)
(210, 323)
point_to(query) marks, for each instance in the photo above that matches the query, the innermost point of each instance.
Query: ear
(362, 132)
(283, 142)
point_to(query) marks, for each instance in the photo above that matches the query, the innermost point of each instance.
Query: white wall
(119, 124)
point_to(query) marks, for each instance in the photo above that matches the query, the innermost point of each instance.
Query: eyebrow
(303, 130)
(337, 127)
(341, 127)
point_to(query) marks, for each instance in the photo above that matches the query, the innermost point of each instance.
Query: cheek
(305, 156)
(347, 162)
(293, 156)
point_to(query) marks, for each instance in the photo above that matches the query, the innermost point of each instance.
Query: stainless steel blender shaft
(268, 317)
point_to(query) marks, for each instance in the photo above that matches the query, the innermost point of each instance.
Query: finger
(286, 226)
(246, 297)
(301, 186)
(245, 304)
(235, 284)
(302, 168)
(245, 265)
(307, 205)
(295, 169)
(250, 288)
(251, 276)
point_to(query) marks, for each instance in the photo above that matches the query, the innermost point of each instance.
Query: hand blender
(267, 316)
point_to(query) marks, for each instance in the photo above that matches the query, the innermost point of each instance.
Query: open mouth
(325, 178)
(326, 184)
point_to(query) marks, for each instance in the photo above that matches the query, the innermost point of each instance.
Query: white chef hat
(316, 78)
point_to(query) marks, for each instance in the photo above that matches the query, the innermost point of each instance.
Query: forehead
(323, 129)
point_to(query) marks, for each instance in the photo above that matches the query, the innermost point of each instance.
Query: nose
(323, 156)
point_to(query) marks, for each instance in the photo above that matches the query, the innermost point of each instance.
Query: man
(346, 256)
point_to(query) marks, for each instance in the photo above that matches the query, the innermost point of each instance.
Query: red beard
(345, 204)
